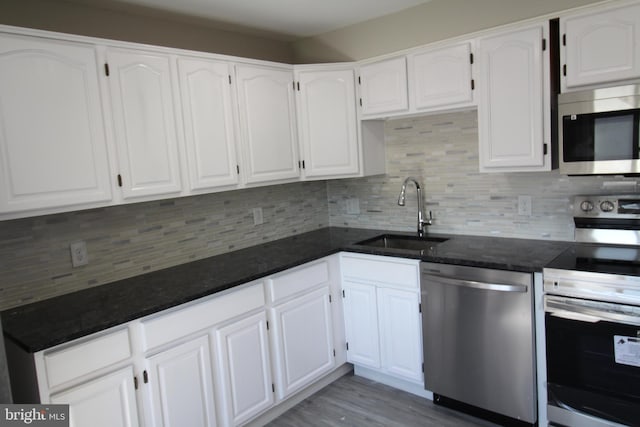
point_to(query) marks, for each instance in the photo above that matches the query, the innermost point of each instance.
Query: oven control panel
(607, 206)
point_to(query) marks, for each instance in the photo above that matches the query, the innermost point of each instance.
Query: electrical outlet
(79, 255)
(257, 216)
(524, 205)
(353, 206)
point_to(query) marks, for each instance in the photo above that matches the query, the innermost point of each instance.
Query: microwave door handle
(566, 310)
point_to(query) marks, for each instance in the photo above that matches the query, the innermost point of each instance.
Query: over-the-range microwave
(599, 131)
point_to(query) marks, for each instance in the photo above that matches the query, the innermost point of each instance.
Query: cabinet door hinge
(544, 44)
(473, 84)
(347, 345)
(564, 39)
(119, 180)
(471, 58)
(106, 69)
(229, 78)
(135, 382)
(145, 376)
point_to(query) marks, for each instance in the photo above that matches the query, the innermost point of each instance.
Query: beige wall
(433, 21)
(89, 20)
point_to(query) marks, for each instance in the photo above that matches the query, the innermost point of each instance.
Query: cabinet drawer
(175, 324)
(70, 362)
(298, 280)
(381, 270)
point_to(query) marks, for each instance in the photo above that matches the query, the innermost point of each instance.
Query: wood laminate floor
(356, 401)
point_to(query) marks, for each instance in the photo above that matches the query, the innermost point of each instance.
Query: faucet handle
(430, 220)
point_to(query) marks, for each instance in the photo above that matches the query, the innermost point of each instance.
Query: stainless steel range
(592, 317)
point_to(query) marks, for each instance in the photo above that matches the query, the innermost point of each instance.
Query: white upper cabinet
(53, 150)
(327, 122)
(267, 124)
(514, 105)
(600, 46)
(205, 87)
(441, 77)
(383, 87)
(143, 104)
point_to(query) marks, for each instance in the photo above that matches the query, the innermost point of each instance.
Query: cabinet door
(441, 77)
(52, 138)
(361, 325)
(108, 401)
(244, 370)
(267, 123)
(602, 46)
(205, 87)
(144, 122)
(327, 123)
(400, 333)
(182, 386)
(512, 105)
(302, 340)
(383, 87)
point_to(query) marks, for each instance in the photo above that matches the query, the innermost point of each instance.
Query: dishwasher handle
(500, 287)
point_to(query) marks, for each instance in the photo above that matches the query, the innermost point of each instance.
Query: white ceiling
(291, 18)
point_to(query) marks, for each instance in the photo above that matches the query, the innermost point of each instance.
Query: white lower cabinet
(302, 341)
(107, 401)
(220, 361)
(243, 369)
(181, 385)
(382, 317)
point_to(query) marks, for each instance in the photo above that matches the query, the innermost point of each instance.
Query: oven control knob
(606, 206)
(586, 206)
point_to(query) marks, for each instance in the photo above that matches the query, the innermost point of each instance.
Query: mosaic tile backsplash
(440, 150)
(124, 241)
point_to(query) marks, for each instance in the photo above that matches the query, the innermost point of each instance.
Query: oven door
(593, 362)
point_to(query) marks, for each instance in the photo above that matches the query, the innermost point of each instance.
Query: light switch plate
(524, 205)
(257, 216)
(79, 254)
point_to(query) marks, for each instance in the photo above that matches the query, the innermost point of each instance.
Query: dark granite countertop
(43, 324)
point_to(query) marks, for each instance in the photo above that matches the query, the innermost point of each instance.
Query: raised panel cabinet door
(52, 137)
(602, 46)
(144, 122)
(383, 87)
(327, 123)
(267, 123)
(205, 87)
(441, 77)
(511, 115)
(303, 341)
(400, 333)
(108, 401)
(361, 325)
(244, 369)
(181, 384)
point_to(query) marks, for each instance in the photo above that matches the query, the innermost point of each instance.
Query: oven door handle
(591, 311)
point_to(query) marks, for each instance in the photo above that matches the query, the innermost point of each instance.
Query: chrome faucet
(421, 219)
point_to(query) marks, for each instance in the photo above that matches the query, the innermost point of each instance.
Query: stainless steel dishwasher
(478, 335)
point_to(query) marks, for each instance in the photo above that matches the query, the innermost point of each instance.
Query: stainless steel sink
(410, 243)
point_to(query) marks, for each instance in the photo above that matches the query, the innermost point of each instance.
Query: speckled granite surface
(41, 325)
